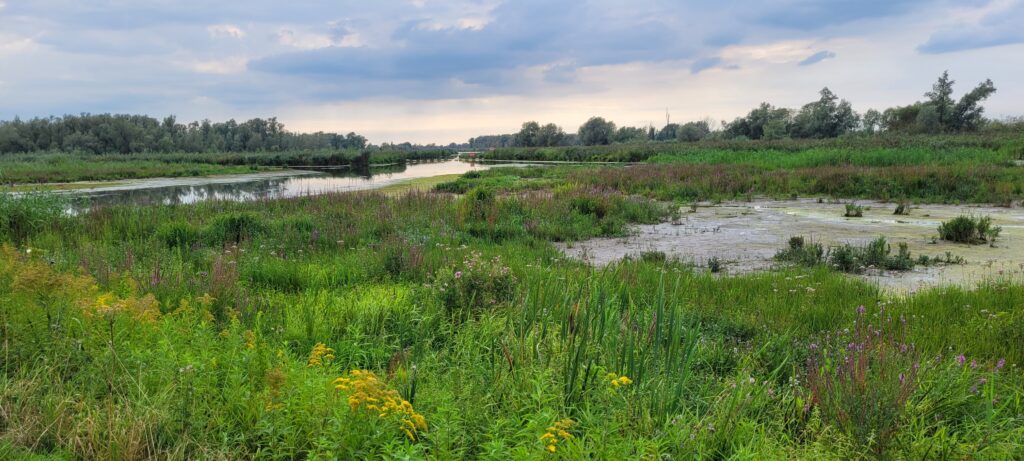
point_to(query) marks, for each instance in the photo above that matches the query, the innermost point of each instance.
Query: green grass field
(414, 324)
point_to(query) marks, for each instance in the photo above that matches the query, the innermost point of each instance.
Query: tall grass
(186, 332)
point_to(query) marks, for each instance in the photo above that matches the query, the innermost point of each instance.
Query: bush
(969, 229)
(854, 211)
(475, 284)
(801, 252)
(848, 258)
(236, 227)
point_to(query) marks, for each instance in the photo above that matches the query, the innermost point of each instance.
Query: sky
(443, 71)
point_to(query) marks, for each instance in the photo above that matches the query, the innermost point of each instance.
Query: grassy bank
(63, 167)
(881, 150)
(443, 326)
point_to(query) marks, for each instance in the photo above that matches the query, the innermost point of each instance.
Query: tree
(630, 134)
(527, 135)
(828, 117)
(596, 131)
(693, 131)
(550, 135)
(928, 120)
(668, 132)
(941, 99)
(968, 113)
(871, 121)
(752, 126)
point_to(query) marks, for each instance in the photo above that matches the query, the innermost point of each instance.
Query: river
(266, 185)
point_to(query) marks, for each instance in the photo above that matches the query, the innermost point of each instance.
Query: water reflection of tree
(185, 194)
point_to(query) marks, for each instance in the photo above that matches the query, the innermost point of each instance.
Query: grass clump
(848, 258)
(969, 229)
(24, 215)
(854, 211)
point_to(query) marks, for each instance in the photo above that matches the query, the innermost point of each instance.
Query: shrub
(476, 283)
(714, 265)
(876, 254)
(848, 258)
(969, 229)
(236, 227)
(476, 205)
(854, 211)
(801, 252)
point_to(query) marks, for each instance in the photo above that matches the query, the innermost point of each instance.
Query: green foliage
(801, 252)
(233, 228)
(179, 235)
(863, 380)
(187, 332)
(596, 131)
(475, 284)
(22, 216)
(969, 229)
(848, 258)
(853, 211)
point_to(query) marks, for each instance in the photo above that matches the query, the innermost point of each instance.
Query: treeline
(828, 117)
(128, 134)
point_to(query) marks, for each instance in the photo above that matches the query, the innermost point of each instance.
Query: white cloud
(775, 53)
(225, 30)
(231, 65)
(312, 41)
(10, 43)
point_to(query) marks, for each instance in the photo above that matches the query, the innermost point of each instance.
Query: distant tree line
(125, 134)
(828, 117)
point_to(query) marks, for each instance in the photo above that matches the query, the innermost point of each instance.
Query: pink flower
(1000, 364)
(961, 359)
(458, 274)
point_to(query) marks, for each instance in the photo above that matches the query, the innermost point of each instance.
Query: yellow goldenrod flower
(368, 393)
(557, 433)
(321, 355)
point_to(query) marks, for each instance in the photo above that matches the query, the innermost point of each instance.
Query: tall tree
(596, 131)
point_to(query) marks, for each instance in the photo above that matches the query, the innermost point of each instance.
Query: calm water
(291, 183)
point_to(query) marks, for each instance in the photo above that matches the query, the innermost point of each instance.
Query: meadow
(445, 324)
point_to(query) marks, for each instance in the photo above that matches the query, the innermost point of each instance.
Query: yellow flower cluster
(366, 392)
(143, 309)
(616, 381)
(557, 433)
(250, 339)
(320, 356)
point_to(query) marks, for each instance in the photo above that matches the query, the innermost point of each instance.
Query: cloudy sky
(442, 71)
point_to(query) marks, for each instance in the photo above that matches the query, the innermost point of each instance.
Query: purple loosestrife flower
(961, 359)
(860, 310)
(1000, 364)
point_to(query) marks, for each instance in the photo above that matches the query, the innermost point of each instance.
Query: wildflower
(616, 381)
(860, 310)
(961, 359)
(321, 355)
(250, 339)
(366, 392)
(557, 433)
(974, 364)
(458, 274)
(1000, 364)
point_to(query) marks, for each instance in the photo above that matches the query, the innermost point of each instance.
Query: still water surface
(278, 184)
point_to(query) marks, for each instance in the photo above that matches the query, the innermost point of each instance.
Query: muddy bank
(745, 237)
